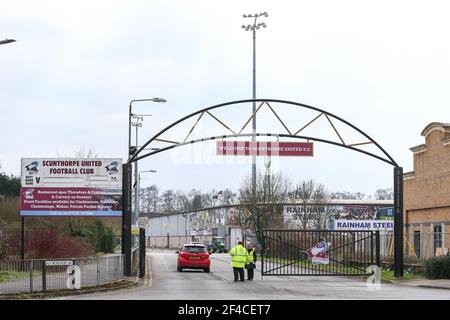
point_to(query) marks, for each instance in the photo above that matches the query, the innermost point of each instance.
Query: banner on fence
(363, 225)
(318, 253)
(71, 187)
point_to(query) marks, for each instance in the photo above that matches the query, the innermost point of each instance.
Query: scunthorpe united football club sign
(71, 187)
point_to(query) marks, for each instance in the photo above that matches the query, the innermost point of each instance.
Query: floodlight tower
(253, 27)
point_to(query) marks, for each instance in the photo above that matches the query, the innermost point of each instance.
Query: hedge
(438, 267)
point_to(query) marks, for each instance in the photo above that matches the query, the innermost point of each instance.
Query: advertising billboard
(264, 148)
(341, 216)
(364, 225)
(71, 187)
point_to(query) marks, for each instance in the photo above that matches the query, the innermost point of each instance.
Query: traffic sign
(143, 222)
(134, 230)
(59, 263)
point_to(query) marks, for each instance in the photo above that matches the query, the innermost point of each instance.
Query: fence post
(44, 277)
(31, 276)
(22, 240)
(371, 247)
(126, 217)
(263, 252)
(98, 274)
(377, 248)
(141, 252)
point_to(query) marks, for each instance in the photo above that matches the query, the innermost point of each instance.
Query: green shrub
(96, 233)
(438, 267)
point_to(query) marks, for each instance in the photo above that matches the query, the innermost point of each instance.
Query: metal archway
(385, 157)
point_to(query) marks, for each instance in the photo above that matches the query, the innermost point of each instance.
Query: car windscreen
(194, 249)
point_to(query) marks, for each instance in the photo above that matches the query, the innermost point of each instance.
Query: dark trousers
(250, 273)
(238, 272)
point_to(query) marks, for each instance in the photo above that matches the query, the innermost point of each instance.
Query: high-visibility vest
(250, 257)
(238, 256)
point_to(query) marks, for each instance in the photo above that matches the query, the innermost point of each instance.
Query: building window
(437, 230)
(417, 243)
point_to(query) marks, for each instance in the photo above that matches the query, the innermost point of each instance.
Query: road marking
(217, 276)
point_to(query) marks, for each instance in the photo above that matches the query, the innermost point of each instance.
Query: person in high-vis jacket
(250, 265)
(238, 260)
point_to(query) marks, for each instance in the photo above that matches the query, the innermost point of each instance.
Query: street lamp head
(7, 41)
(159, 100)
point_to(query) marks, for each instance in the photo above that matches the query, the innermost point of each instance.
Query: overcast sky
(67, 82)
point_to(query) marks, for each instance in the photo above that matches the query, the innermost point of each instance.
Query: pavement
(94, 273)
(163, 282)
(424, 283)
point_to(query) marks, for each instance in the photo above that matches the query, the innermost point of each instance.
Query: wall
(427, 189)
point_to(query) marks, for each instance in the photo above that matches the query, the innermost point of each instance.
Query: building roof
(442, 126)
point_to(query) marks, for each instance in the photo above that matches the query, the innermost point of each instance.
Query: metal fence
(35, 276)
(135, 261)
(318, 252)
(417, 246)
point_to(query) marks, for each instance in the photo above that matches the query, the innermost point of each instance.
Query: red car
(193, 256)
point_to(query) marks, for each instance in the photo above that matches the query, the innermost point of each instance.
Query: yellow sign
(134, 230)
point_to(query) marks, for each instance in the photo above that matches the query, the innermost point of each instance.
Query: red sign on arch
(264, 148)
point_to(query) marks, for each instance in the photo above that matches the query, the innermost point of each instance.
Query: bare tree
(181, 201)
(384, 194)
(149, 199)
(168, 201)
(320, 200)
(80, 153)
(263, 211)
(345, 195)
(313, 199)
(195, 198)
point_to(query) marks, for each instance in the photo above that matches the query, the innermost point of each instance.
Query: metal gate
(319, 252)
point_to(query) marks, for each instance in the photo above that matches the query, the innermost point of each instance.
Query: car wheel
(180, 269)
(206, 270)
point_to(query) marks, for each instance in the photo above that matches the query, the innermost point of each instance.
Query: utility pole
(253, 27)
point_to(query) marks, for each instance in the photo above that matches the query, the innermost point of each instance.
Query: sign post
(126, 217)
(142, 250)
(398, 221)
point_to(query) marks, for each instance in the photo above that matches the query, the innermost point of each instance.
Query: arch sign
(264, 148)
(302, 147)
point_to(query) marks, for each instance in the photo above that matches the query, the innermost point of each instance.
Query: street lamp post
(141, 231)
(131, 151)
(253, 27)
(138, 188)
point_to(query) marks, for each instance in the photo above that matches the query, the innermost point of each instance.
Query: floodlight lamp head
(244, 15)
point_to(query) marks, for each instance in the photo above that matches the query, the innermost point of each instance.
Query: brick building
(427, 194)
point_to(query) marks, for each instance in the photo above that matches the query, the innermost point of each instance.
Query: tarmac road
(168, 284)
